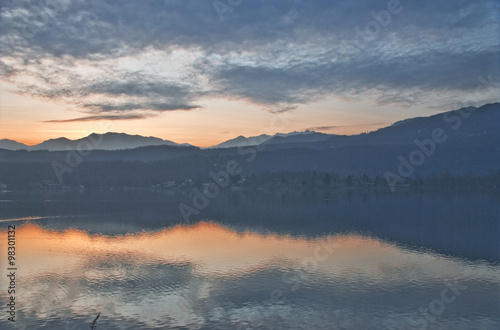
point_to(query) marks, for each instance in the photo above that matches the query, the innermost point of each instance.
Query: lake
(254, 260)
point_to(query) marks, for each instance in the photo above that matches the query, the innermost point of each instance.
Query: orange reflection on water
(211, 247)
(161, 278)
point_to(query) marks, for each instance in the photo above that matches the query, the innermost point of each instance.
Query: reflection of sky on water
(209, 276)
(460, 224)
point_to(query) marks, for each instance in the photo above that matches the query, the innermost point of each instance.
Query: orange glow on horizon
(195, 141)
(24, 119)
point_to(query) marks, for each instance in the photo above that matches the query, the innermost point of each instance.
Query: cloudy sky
(205, 71)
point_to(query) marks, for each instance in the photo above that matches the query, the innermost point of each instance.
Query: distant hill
(297, 139)
(458, 125)
(12, 145)
(469, 142)
(107, 141)
(242, 141)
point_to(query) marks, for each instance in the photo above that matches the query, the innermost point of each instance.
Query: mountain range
(107, 141)
(242, 141)
(399, 133)
(463, 141)
(119, 141)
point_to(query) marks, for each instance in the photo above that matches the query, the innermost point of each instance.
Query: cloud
(321, 128)
(99, 117)
(131, 56)
(107, 107)
(339, 127)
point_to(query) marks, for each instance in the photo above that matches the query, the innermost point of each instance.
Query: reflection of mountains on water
(453, 223)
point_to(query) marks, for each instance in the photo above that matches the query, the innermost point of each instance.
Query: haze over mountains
(242, 141)
(107, 141)
(465, 141)
(119, 141)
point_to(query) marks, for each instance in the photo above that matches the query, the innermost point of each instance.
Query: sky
(205, 71)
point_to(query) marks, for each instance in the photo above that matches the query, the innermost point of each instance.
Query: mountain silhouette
(107, 141)
(464, 141)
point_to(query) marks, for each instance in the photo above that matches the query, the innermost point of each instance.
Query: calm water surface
(321, 263)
